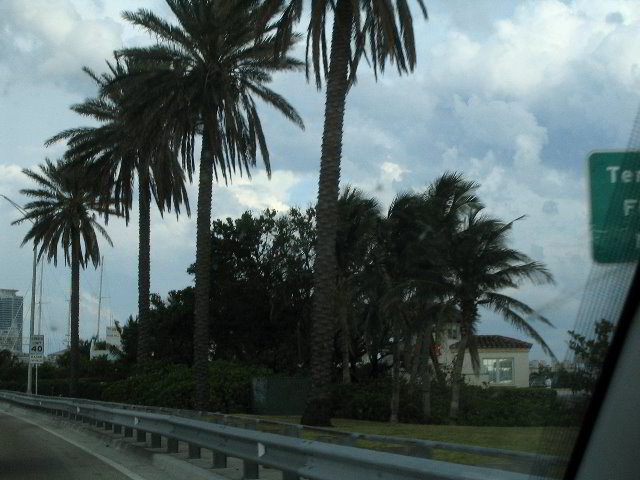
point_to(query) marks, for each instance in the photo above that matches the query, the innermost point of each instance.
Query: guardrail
(405, 446)
(297, 458)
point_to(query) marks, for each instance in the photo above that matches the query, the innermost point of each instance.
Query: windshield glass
(416, 220)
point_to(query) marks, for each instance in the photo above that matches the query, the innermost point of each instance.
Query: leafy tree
(262, 269)
(216, 60)
(387, 33)
(589, 355)
(119, 150)
(482, 266)
(11, 369)
(61, 210)
(261, 303)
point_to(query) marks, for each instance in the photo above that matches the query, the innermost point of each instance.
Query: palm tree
(444, 203)
(357, 225)
(386, 31)
(483, 265)
(414, 239)
(215, 61)
(62, 215)
(118, 150)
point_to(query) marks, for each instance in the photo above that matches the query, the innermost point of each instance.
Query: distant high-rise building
(10, 321)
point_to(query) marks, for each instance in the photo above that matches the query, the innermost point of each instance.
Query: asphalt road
(27, 452)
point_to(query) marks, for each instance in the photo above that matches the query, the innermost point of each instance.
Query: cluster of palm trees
(201, 78)
(433, 259)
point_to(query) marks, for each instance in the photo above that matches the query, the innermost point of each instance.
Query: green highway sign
(614, 180)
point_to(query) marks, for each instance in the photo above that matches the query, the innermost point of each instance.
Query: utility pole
(100, 297)
(33, 312)
(40, 297)
(33, 291)
(39, 313)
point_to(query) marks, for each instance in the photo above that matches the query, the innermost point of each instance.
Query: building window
(500, 370)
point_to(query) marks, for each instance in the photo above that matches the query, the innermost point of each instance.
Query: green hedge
(59, 387)
(478, 406)
(172, 386)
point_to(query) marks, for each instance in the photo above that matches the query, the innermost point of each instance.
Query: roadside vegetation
(348, 293)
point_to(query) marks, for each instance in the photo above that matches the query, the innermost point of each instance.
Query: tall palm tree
(385, 32)
(217, 59)
(358, 218)
(62, 212)
(483, 265)
(118, 150)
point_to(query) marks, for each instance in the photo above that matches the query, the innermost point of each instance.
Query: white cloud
(260, 192)
(392, 172)
(49, 41)
(506, 124)
(541, 47)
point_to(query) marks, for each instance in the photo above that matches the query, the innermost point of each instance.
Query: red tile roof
(498, 342)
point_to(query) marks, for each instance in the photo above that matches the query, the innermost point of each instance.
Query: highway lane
(27, 452)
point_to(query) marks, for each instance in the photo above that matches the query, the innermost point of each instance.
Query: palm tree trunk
(395, 383)
(75, 313)
(344, 341)
(416, 359)
(456, 381)
(144, 264)
(425, 374)
(436, 365)
(203, 277)
(317, 411)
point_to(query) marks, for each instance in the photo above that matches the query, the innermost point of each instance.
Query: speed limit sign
(37, 349)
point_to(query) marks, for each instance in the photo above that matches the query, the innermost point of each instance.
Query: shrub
(158, 385)
(173, 386)
(230, 386)
(478, 406)
(371, 401)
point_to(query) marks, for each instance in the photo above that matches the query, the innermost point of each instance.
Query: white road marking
(125, 471)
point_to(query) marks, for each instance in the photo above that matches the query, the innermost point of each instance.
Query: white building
(112, 340)
(504, 361)
(10, 321)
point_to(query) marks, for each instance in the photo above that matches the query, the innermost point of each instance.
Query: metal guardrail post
(194, 451)
(141, 436)
(290, 431)
(172, 445)
(219, 460)
(250, 470)
(156, 440)
(422, 452)
(128, 432)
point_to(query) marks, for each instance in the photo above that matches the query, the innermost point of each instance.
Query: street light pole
(33, 311)
(33, 294)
